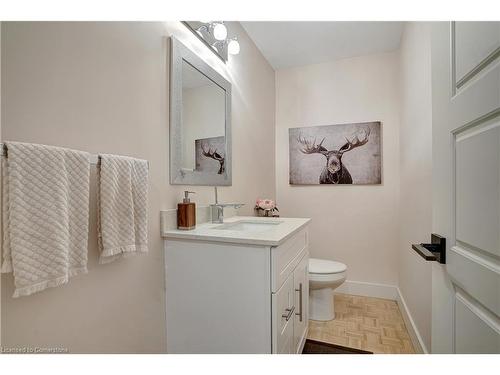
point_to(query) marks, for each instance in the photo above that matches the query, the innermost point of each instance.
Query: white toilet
(324, 277)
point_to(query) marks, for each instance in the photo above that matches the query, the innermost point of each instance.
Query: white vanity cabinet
(224, 297)
(290, 294)
(290, 311)
(301, 318)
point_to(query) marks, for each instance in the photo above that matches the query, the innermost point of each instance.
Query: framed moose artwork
(336, 154)
(211, 155)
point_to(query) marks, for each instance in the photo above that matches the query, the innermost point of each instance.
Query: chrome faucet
(218, 209)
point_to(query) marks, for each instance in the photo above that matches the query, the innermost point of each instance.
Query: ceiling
(288, 44)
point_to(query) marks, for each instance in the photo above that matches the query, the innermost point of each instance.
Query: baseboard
(416, 338)
(386, 291)
(362, 288)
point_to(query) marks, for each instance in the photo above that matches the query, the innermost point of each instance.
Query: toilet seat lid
(324, 266)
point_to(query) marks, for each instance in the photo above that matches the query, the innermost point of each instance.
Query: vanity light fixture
(216, 28)
(215, 35)
(232, 45)
(219, 30)
(205, 27)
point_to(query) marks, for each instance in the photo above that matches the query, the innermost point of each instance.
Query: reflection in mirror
(203, 122)
(200, 121)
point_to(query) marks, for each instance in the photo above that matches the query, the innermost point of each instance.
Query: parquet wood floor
(365, 323)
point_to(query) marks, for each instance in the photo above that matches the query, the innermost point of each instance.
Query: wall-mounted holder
(434, 251)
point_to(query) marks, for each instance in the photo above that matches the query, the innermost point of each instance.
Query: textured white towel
(45, 215)
(122, 224)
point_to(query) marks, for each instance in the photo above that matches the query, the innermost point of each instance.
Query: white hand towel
(46, 215)
(122, 207)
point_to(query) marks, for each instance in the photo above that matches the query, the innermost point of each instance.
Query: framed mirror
(200, 121)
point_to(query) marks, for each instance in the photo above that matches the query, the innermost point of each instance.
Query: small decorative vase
(266, 212)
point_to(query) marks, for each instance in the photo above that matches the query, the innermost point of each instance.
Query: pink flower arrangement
(266, 205)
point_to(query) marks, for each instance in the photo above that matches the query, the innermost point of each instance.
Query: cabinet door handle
(288, 314)
(300, 302)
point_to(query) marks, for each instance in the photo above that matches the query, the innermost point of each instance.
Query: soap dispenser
(186, 213)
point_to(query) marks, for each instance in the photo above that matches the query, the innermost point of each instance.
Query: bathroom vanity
(238, 287)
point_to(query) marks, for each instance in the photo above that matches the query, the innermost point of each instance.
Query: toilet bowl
(324, 277)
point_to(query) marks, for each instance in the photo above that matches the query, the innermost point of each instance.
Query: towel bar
(94, 159)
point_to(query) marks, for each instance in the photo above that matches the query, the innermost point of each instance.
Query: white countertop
(273, 235)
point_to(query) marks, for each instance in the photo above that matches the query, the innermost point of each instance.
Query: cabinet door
(301, 317)
(283, 318)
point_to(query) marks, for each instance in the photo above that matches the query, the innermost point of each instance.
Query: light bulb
(220, 31)
(233, 47)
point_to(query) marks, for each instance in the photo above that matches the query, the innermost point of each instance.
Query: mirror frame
(179, 53)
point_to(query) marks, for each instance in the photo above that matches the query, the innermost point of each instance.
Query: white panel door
(466, 186)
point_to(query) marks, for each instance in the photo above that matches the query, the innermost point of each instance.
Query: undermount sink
(249, 225)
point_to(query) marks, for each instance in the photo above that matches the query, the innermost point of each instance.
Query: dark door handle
(434, 251)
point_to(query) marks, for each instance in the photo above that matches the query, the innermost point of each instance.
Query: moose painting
(336, 154)
(211, 154)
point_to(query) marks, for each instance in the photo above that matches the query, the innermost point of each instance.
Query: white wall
(103, 87)
(356, 225)
(415, 274)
